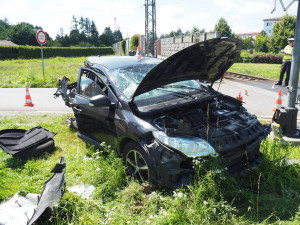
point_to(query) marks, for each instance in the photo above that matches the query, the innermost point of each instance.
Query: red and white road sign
(41, 37)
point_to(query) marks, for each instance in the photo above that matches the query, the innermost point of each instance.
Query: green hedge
(267, 58)
(32, 52)
(259, 57)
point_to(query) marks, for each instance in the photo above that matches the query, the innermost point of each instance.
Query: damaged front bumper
(174, 169)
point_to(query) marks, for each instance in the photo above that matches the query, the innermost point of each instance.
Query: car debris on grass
(24, 144)
(29, 208)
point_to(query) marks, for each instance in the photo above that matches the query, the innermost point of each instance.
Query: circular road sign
(41, 37)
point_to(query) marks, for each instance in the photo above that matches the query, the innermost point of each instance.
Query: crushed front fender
(66, 90)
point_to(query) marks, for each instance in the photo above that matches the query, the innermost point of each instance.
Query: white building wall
(268, 26)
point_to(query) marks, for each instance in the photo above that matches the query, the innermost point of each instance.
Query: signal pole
(150, 28)
(286, 117)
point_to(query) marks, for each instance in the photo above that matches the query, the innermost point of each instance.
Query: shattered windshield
(127, 80)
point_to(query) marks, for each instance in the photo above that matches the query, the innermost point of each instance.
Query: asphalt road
(260, 101)
(261, 96)
(13, 99)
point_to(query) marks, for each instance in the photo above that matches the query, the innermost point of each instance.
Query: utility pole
(286, 117)
(150, 28)
(293, 85)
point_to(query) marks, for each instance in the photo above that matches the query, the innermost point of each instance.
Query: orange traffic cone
(138, 51)
(278, 102)
(240, 97)
(28, 101)
(273, 87)
(246, 93)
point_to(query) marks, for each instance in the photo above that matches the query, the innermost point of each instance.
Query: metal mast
(150, 28)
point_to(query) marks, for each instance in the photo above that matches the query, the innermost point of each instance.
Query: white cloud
(14, 10)
(172, 16)
(200, 16)
(251, 8)
(243, 7)
(226, 5)
(238, 28)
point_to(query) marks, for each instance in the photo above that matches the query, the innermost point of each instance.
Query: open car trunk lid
(206, 61)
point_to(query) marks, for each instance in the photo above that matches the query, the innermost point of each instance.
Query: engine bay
(223, 122)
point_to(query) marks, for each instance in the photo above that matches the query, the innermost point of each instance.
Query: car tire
(138, 162)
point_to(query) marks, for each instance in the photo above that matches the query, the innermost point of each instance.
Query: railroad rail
(241, 76)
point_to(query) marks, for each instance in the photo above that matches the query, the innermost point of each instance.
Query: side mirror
(99, 100)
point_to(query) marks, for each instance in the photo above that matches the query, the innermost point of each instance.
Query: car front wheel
(138, 162)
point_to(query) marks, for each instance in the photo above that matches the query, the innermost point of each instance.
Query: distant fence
(117, 47)
(32, 52)
(168, 46)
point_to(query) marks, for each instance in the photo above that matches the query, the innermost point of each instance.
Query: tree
(197, 30)
(261, 42)
(4, 29)
(65, 41)
(75, 23)
(94, 40)
(178, 32)
(248, 43)
(23, 34)
(223, 28)
(94, 30)
(172, 34)
(81, 24)
(134, 42)
(187, 33)
(107, 37)
(74, 37)
(282, 30)
(117, 36)
(87, 27)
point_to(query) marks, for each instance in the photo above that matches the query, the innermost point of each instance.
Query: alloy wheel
(137, 166)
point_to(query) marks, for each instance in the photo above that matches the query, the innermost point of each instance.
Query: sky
(242, 15)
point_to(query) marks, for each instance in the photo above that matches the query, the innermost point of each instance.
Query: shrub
(266, 58)
(123, 45)
(134, 42)
(31, 52)
(132, 52)
(245, 57)
(260, 57)
(8, 52)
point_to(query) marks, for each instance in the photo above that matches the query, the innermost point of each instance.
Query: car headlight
(189, 146)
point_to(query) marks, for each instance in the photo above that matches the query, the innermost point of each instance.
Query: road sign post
(41, 39)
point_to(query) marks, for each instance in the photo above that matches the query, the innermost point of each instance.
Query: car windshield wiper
(177, 93)
(181, 86)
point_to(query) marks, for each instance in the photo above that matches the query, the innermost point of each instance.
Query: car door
(95, 122)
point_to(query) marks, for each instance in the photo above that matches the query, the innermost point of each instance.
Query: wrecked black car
(162, 114)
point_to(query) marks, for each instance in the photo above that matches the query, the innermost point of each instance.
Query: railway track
(241, 76)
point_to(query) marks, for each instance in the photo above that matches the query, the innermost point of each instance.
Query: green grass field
(257, 69)
(29, 73)
(268, 194)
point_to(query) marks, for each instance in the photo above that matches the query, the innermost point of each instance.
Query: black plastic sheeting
(25, 144)
(52, 192)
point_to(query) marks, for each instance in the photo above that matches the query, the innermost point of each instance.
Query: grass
(258, 69)
(268, 194)
(29, 73)
(24, 73)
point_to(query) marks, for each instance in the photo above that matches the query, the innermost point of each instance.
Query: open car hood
(207, 61)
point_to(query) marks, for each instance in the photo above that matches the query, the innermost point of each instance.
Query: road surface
(260, 101)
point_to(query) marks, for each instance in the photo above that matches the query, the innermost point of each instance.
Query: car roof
(113, 62)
